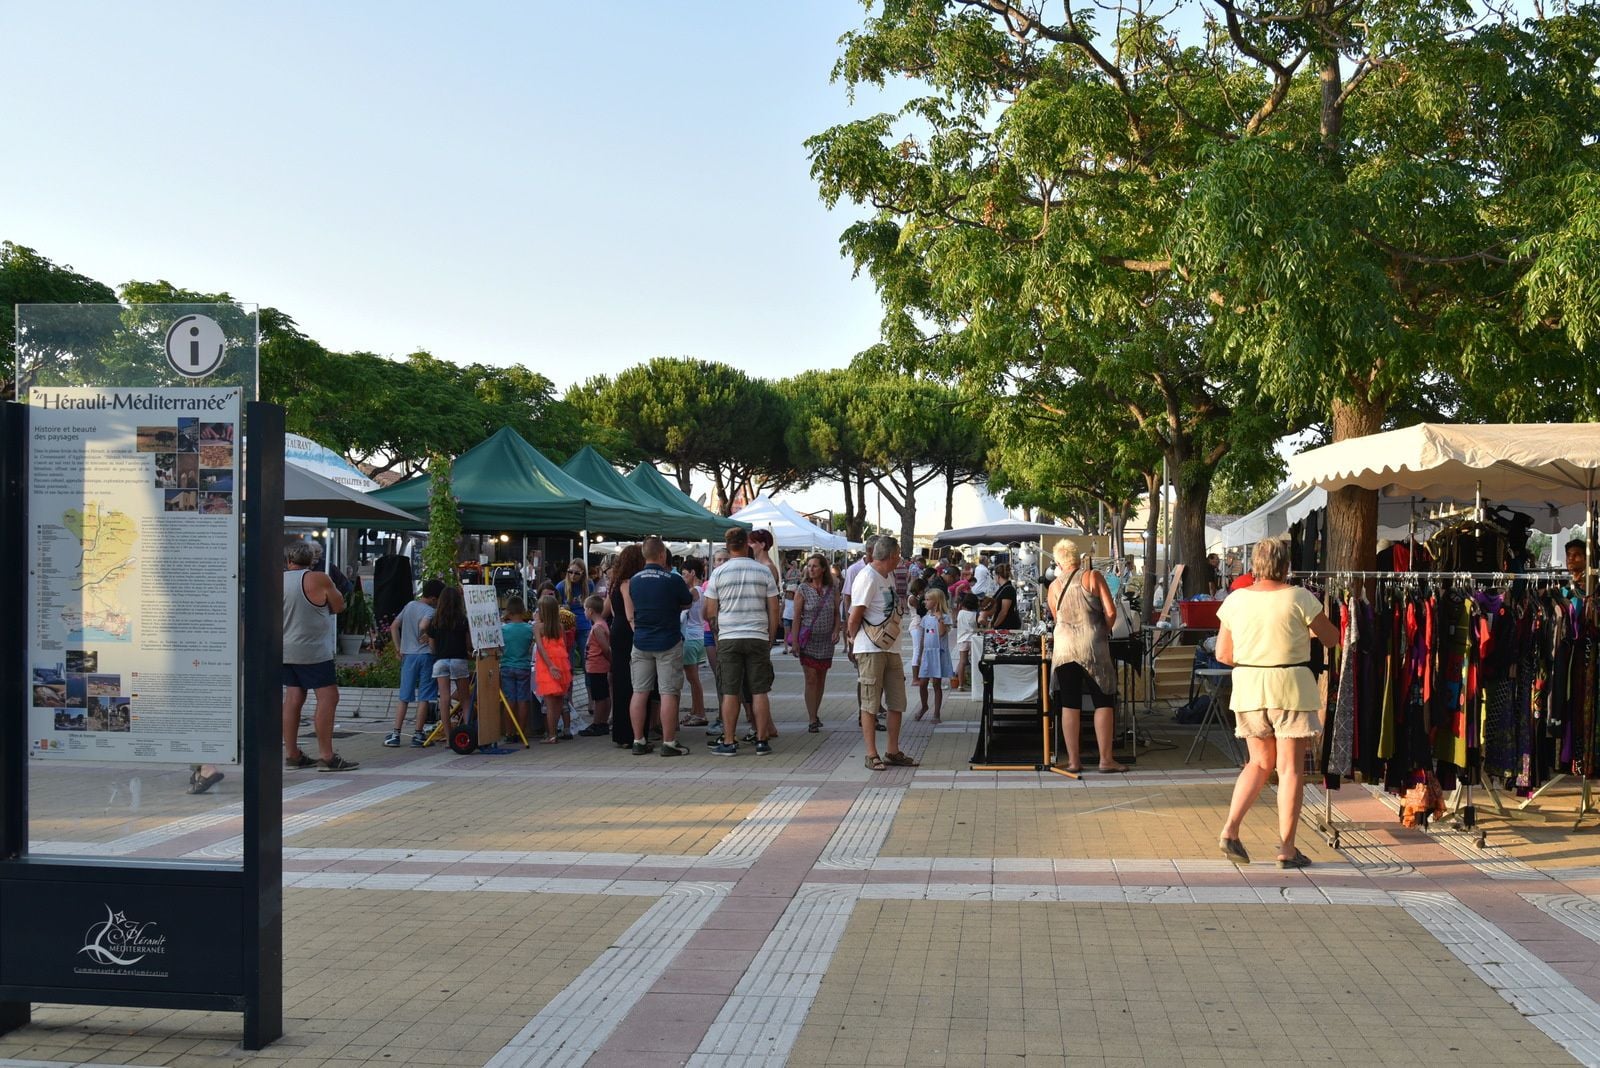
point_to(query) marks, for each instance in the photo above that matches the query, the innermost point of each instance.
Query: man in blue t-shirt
(654, 599)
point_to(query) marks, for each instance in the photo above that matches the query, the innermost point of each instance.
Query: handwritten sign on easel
(483, 617)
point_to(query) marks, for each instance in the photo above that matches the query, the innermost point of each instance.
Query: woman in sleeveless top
(1080, 655)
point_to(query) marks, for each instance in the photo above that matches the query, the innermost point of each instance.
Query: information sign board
(133, 574)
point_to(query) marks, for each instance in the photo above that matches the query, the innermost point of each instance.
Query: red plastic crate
(1199, 613)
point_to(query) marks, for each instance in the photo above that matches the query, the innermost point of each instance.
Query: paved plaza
(576, 904)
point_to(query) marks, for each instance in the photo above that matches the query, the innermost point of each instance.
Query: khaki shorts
(1277, 723)
(662, 671)
(880, 678)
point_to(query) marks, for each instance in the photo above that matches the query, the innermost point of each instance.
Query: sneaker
(763, 749)
(337, 763)
(674, 749)
(642, 748)
(713, 740)
(714, 730)
(566, 736)
(392, 739)
(419, 739)
(596, 730)
(881, 726)
(295, 763)
(749, 736)
(724, 749)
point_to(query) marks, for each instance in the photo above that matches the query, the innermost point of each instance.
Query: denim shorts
(452, 669)
(516, 683)
(416, 678)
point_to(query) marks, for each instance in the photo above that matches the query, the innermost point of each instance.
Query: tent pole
(584, 534)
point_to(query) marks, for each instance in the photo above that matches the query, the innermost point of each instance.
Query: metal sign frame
(197, 902)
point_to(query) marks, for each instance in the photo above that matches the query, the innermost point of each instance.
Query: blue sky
(574, 187)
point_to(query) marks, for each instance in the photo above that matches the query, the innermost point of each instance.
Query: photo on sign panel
(217, 480)
(212, 455)
(81, 660)
(77, 691)
(104, 685)
(216, 434)
(166, 470)
(53, 695)
(46, 676)
(156, 439)
(188, 435)
(188, 470)
(181, 501)
(72, 719)
(216, 503)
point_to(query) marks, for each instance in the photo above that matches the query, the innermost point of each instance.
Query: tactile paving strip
(575, 1023)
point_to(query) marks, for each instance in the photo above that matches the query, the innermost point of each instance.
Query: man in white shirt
(983, 583)
(880, 672)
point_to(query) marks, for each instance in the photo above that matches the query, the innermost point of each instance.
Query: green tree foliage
(821, 439)
(1258, 210)
(26, 277)
(697, 415)
(444, 525)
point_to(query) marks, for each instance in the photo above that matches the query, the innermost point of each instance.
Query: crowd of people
(635, 636)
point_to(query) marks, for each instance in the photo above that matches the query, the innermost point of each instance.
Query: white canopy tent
(1549, 465)
(789, 528)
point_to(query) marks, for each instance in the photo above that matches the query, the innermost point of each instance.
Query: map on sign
(106, 541)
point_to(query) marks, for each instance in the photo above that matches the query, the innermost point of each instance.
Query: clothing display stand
(1463, 811)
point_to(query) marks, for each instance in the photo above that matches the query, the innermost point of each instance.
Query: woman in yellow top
(1265, 635)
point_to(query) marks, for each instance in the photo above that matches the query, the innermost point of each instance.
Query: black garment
(1012, 620)
(1070, 682)
(454, 643)
(621, 671)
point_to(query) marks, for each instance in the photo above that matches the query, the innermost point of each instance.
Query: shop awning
(1532, 463)
(308, 494)
(1003, 531)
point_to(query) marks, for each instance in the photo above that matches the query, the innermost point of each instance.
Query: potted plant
(355, 622)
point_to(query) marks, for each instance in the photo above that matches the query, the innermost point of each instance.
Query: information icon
(195, 345)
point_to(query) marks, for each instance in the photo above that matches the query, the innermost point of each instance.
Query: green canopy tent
(592, 469)
(648, 483)
(503, 483)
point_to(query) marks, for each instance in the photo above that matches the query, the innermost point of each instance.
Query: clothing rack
(1463, 810)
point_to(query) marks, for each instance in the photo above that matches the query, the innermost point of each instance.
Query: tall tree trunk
(861, 503)
(1353, 512)
(685, 476)
(1190, 517)
(950, 499)
(1147, 588)
(908, 511)
(852, 529)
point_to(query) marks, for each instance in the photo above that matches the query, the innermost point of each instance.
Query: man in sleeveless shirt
(310, 603)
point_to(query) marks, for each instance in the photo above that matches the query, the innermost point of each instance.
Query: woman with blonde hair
(1080, 654)
(1265, 635)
